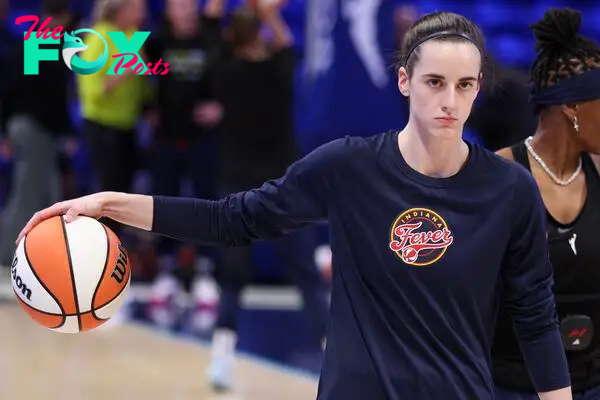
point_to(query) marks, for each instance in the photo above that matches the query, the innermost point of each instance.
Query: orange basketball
(70, 277)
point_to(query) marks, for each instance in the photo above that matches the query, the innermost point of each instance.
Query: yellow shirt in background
(121, 107)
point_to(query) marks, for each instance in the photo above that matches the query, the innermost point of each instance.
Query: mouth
(446, 120)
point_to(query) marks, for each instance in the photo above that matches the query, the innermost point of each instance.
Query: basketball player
(426, 230)
(566, 78)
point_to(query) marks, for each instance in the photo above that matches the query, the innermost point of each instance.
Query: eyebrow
(437, 76)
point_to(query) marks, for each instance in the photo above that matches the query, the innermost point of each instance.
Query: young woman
(426, 230)
(566, 78)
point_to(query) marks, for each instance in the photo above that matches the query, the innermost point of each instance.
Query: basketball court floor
(125, 361)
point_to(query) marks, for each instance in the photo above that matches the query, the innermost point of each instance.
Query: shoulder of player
(348, 148)
(502, 167)
(341, 159)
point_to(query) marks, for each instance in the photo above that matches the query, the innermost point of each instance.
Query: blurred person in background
(112, 105)
(405, 15)
(503, 116)
(35, 108)
(6, 44)
(185, 116)
(255, 86)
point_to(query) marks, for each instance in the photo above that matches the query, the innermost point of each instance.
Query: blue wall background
(343, 102)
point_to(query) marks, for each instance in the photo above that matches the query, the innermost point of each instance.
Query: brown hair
(244, 27)
(106, 10)
(439, 26)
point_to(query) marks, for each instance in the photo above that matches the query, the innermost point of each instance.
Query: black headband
(583, 87)
(436, 36)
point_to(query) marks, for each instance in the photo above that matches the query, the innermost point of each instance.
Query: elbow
(230, 227)
(534, 320)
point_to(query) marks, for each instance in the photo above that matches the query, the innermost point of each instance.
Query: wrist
(109, 203)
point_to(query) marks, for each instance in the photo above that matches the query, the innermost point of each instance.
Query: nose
(449, 99)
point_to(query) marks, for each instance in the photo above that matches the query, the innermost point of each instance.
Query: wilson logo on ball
(18, 281)
(120, 268)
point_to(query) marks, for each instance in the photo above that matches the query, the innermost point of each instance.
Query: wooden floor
(122, 362)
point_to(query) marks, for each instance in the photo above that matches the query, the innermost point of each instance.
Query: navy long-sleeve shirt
(419, 265)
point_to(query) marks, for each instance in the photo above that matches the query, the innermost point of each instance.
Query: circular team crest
(420, 237)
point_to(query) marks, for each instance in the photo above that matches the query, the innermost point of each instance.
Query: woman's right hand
(90, 206)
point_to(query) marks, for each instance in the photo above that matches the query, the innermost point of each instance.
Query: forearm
(130, 209)
(212, 222)
(560, 394)
(536, 327)
(545, 358)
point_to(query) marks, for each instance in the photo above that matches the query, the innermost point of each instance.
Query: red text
(420, 240)
(42, 30)
(156, 70)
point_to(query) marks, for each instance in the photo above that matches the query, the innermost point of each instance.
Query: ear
(570, 110)
(403, 81)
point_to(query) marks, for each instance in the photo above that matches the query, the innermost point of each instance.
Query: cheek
(422, 100)
(466, 104)
(590, 130)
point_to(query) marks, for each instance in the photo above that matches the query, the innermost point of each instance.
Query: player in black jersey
(566, 94)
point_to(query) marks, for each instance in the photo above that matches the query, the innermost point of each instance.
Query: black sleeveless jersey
(575, 256)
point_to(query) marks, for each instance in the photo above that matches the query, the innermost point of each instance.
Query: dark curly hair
(562, 51)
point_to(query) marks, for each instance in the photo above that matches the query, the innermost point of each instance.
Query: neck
(254, 52)
(120, 23)
(435, 157)
(554, 142)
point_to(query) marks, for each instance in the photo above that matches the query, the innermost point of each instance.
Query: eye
(434, 83)
(465, 85)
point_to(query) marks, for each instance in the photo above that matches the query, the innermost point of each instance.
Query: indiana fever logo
(420, 237)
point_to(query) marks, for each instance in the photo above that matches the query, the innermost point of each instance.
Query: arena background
(344, 86)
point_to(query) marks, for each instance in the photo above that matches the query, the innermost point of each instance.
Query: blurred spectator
(36, 111)
(5, 47)
(185, 114)
(404, 16)
(112, 104)
(255, 85)
(503, 116)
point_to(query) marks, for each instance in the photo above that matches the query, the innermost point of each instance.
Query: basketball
(70, 277)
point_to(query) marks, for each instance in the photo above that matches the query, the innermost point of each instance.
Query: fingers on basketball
(38, 217)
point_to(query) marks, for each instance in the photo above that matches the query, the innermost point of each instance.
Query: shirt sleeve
(528, 282)
(279, 206)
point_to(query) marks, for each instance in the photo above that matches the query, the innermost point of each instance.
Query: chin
(595, 150)
(445, 132)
